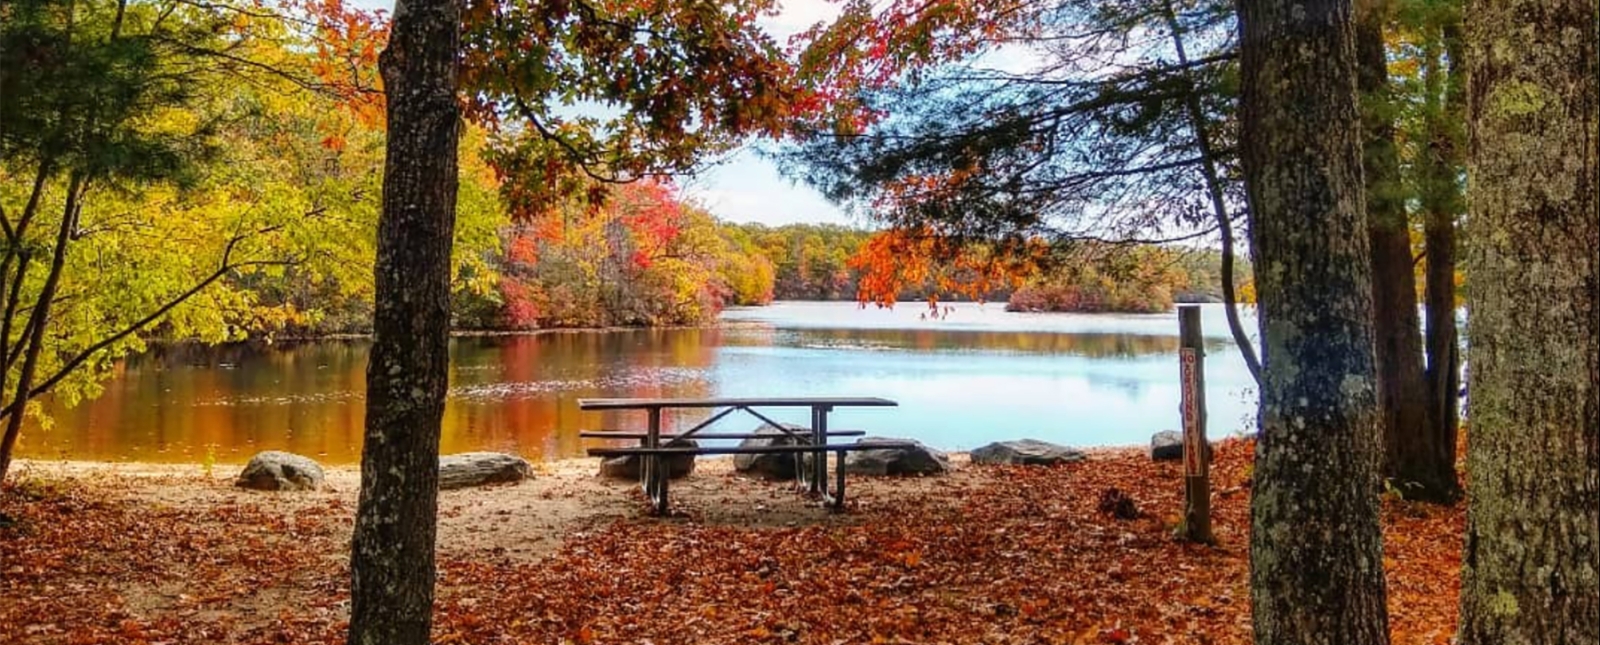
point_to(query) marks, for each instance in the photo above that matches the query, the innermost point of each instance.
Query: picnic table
(653, 450)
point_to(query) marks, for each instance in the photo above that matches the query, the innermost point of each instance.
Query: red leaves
(871, 45)
(919, 257)
(988, 555)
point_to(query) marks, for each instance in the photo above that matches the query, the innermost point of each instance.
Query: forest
(219, 170)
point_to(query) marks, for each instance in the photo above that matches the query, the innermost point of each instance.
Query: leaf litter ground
(985, 555)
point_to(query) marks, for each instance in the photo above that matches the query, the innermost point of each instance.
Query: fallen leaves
(997, 555)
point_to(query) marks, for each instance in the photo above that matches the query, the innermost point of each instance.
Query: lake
(974, 375)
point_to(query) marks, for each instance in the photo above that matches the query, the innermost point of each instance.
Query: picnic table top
(768, 402)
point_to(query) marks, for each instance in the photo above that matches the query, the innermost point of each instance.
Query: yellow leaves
(1246, 293)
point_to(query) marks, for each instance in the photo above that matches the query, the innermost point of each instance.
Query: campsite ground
(130, 553)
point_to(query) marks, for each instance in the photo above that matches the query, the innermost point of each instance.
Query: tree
(643, 257)
(1410, 459)
(1315, 547)
(1438, 177)
(1529, 572)
(391, 554)
(934, 141)
(685, 79)
(115, 132)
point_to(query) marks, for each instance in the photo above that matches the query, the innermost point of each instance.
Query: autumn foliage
(990, 555)
(639, 257)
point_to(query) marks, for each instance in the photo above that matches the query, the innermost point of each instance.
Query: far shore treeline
(647, 258)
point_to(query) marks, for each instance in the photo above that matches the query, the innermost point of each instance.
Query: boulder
(895, 457)
(628, 466)
(277, 470)
(479, 468)
(772, 466)
(1167, 445)
(1026, 452)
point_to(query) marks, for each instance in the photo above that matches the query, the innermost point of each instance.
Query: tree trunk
(1315, 551)
(1219, 209)
(1440, 199)
(391, 560)
(1531, 568)
(1397, 329)
(32, 341)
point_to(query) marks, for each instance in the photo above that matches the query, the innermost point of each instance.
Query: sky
(745, 187)
(748, 188)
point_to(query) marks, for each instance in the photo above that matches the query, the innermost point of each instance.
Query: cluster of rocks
(880, 456)
(286, 471)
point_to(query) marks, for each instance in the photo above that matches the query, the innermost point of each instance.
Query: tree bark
(1315, 551)
(1441, 201)
(1397, 328)
(392, 552)
(1531, 567)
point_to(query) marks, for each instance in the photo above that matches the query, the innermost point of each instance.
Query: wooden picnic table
(652, 453)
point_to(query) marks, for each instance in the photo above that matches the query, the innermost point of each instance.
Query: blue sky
(746, 187)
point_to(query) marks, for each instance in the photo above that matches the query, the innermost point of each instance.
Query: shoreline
(559, 463)
(603, 329)
(540, 466)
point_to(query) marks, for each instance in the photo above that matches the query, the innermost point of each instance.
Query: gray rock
(1167, 445)
(277, 470)
(480, 468)
(895, 457)
(628, 466)
(773, 466)
(1026, 452)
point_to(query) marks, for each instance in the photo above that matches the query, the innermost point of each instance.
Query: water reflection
(959, 385)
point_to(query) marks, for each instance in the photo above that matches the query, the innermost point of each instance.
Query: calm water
(977, 375)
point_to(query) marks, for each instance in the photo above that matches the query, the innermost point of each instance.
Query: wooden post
(1196, 462)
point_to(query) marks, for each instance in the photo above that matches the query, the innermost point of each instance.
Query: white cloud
(749, 188)
(795, 16)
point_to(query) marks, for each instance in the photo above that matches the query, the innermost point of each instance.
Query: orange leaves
(347, 43)
(895, 260)
(1003, 555)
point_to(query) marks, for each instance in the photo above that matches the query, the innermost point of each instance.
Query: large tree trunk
(1531, 569)
(1397, 328)
(1441, 200)
(1315, 551)
(391, 560)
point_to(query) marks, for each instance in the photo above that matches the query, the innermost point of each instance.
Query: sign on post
(1196, 463)
(1188, 358)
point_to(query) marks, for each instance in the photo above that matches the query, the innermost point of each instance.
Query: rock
(903, 457)
(1167, 445)
(1026, 452)
(772, 466)
(628, 466)
(277, 470)
(479, 468)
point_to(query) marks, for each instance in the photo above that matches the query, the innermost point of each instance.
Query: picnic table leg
(651, 467)
(838, 475)
(819, 437)
(661, 489)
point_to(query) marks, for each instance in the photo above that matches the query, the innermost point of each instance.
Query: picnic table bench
(654, 449)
